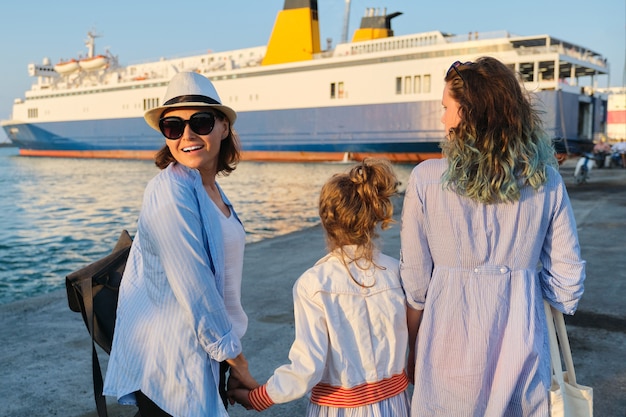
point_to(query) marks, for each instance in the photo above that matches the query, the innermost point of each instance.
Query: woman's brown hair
(499, 144)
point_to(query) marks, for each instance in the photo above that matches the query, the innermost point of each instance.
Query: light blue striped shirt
(482, 346)
(172, 327)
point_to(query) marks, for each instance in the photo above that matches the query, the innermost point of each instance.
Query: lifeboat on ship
(67, 67)
(93, 63)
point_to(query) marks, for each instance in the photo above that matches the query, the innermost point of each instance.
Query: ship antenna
(90, 43)
(346, 22)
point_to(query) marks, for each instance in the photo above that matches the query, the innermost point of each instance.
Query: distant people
(602, 153)
(351, 338)
(601, 147)
(620, 148)
(487, 233)
(179, 319)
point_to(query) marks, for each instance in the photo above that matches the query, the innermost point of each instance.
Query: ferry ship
(375, 95)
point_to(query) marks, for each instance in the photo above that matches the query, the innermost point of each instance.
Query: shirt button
(476, 270)
(503, 270)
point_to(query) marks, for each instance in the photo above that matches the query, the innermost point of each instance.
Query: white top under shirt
(234, 238)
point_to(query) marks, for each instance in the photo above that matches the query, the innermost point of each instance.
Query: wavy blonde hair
(353, 204)
(499, 145)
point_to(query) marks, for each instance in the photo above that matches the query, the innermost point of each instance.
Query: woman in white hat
(179, 317)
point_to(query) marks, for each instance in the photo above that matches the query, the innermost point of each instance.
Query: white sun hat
(189, 89)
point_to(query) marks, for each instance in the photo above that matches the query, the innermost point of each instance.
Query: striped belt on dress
(364, 394)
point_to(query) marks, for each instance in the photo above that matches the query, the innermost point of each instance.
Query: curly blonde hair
(499, 145)
(353, 204)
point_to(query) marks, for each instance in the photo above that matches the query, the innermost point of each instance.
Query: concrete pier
(45, 352)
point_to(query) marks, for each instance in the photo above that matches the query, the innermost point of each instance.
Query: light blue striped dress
(475, 271)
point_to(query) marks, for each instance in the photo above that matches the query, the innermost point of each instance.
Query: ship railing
(474, 36)
(543, 49)
(386, 44)
(324, 54)
(581, 55)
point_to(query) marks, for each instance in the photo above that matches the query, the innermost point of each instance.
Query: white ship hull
(379, 96)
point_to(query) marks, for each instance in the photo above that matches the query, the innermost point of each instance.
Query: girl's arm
(413, 319)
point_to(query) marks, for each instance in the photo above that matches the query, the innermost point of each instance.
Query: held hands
(237, 393)
(240, 382)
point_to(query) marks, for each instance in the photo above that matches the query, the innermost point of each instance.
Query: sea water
(59, 214)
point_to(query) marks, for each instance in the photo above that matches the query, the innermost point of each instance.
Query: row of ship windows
(150, 103)
(415, 84)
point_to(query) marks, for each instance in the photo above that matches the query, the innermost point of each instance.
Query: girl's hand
(239, 371)
(240, 396)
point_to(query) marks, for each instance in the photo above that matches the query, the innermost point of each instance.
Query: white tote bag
(567, 398)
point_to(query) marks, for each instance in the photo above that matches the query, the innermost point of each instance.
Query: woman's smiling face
(194, 150)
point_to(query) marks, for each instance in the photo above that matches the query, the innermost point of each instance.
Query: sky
(140, 31)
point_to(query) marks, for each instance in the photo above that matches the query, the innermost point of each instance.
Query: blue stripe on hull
(111, 134)
(383, 128)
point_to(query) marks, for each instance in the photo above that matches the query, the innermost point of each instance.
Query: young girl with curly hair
(351, 338)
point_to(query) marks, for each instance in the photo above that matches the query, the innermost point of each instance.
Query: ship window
(398, 85)
(150, 103)
(546, 71)
(417, 84)
(426, 85)
(340, 91)
(33, 113)
(407, 85)
(526, 70)
(332, 90)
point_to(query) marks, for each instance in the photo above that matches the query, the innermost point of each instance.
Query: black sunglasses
(455, 66)
(173, 127)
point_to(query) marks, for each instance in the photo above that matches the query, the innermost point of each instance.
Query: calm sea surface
(58, 214)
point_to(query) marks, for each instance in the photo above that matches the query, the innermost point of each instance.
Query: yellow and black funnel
(296, 33)
(374, 26)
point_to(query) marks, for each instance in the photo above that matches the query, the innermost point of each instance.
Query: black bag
(93, 292)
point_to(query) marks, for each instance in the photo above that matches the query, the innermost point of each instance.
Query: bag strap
(98, 385)
(556, 326)
(561, 332)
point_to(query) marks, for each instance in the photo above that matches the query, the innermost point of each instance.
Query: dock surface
(45, 352)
